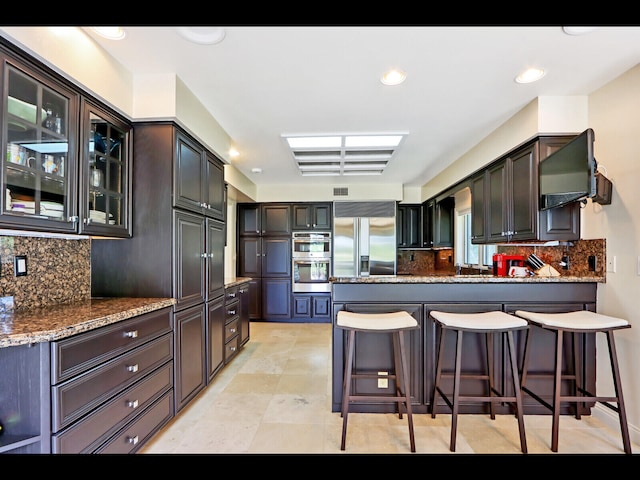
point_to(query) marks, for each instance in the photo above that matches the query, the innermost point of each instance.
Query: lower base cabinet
(112, 387)
(312, 307)
(373, 352)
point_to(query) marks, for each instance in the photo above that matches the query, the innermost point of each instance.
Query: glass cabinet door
(38, 166)
(105, 185)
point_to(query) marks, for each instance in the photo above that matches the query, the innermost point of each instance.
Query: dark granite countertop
(452, 278)
(232, 282)
(61, 321)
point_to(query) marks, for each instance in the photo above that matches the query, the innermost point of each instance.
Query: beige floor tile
(275, 397)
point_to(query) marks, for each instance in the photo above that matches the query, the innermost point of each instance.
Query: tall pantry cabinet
(177, 248)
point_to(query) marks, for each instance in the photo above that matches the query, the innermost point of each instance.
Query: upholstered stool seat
(487, 323)
(394, 323)
(576, 322)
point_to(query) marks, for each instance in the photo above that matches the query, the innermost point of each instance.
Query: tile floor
(275, 398)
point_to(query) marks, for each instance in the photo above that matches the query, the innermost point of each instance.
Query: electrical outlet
(593, 264)
(20, 265)
(383, 382)
(611, 264)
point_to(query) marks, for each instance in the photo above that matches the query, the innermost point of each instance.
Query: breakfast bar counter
(418, 295)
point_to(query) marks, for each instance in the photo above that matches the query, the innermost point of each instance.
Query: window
(470, 254)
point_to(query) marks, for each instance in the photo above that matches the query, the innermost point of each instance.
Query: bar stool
(582, 321)
(395, 323)
(487, 323)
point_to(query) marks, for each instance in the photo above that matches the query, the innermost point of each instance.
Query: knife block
(547, 271)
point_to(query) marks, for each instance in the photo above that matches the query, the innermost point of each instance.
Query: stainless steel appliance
(364, 239)
(311, 261)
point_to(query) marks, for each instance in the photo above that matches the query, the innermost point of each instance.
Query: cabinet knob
(132, 404)
(132, 368)
(132, 440)
(131, 334)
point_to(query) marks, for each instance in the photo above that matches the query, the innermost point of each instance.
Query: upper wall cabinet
(65, 158)
(312, 216)
(409, 226)
(105, 179)
(198, 179)
(40, 158)
(504, 204)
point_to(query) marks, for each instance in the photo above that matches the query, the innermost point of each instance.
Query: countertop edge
(61, 321)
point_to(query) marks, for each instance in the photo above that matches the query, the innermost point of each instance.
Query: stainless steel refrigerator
(364, 239)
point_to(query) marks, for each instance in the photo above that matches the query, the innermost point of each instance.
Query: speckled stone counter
(60, 321)
(232, 282)
(449, 278)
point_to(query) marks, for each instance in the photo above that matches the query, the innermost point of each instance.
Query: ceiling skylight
(331, 155)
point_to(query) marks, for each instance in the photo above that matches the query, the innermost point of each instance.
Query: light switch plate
(20, 265)
(611, 264)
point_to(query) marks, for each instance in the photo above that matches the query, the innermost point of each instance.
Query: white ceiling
(261, 82)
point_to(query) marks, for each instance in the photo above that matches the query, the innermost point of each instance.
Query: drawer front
(142, 428)
(77, 397)
(231, 329)
(231, 294)
(87, 435)
(232, 310)
(79, 353)
(231, 348)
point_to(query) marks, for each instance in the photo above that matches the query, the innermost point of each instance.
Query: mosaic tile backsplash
(434, 262)
(58, 270)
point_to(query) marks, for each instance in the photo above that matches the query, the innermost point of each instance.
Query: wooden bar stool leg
(397, 363)
(347, 386)
(404, 374)
(517, 391)
(577, 378)
(489, 346)
(456, 391)
(438, 373)
(617, 383)
(557, 385)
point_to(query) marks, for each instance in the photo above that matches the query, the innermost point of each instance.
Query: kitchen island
(418, 295)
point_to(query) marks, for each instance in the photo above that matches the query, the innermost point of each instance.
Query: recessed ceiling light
(530, 75)
(578, 30)
(393, 77)
(233, 152)
(112, 33)
(256, 170)
(202, 35)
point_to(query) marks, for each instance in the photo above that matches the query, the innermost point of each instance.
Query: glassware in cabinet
(105, 183)
(39, 154)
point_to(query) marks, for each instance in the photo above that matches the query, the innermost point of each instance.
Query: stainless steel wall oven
(311, 261)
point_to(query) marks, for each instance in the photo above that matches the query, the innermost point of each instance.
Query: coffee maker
(502, 263)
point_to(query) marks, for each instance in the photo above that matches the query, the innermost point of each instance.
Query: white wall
(615, 118)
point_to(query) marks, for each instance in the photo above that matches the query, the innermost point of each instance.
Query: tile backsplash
(429, 262)
(58, 270)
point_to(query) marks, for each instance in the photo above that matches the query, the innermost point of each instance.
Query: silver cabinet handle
(132, 440)
(231, 294)
(73, 219)
(131, 334)
(132, 404)
(231, 312)
(232, 349)
(132, 368)
(232, 330)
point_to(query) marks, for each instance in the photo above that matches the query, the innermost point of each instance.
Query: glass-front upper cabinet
(105, 180)
(39, 125)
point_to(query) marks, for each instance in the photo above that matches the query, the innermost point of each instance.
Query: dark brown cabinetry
(244, 292)
(264, 253)
(112, 378)
(437, 220)
(232, 323)
(409, 226)
(177, 249)
(419, 299)
(312, 307)
(312, 216)
(505, 199)
(66, 157)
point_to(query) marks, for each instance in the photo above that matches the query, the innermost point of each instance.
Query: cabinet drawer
(142, 428)
(231, 294)
(77, 397)
(79, 353)
(86, 435)
(231, 348)
(231, 310)
(231, 329)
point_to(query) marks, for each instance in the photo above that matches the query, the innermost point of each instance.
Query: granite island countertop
(64, 320)
(453, 278)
